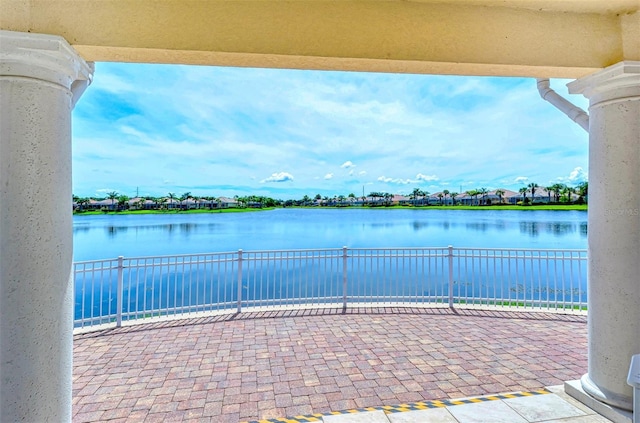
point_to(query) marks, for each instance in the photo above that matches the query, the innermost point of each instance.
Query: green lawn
(460, 207)
(194, 211)
(514, 207)
(582, 207)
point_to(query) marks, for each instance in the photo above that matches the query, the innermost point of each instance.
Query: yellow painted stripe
(400, 408)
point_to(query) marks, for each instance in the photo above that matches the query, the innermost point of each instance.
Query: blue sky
(216, 131)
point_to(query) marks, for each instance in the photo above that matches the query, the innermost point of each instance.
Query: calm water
(98, 237)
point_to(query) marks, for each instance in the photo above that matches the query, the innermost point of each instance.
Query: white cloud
(427, 178)
(278, 177)
(347, 165)
(419, 178)
(521, 180)
(398, 181)
(328, 176)
(577, 175)
(362, 172)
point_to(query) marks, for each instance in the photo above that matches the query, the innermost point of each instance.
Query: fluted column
(614, 229)
(37, 76)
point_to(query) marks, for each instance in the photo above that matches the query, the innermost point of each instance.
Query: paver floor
(275, 364)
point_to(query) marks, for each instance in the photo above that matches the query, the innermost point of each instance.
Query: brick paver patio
(276, 364)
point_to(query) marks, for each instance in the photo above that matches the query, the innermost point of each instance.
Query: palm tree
(172, 199)
(533, 186)
(483, 192)
(162, 202)
(445, 193)
(567, 192)
(352, 198)
(556, 189)
(500, 193)
(242, 201)
(112, 196)
(524, 191)
(425, 194)
(415, 194)
(122, 202)
(583, 191)
(473, 194)
(453, 196)
(185, 197)
(440, 195)
(82, 202)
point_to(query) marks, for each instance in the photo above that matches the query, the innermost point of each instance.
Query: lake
(109, 236)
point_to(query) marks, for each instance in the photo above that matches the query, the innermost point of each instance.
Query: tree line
(173, 201)
(561, 193)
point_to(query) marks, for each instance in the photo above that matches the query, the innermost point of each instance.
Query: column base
(574, 388)
(618, 401)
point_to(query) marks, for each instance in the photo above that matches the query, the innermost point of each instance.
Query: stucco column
(614, 229)
(37, 74)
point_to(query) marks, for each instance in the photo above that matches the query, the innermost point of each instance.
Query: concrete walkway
(549, 406)
(270, 365)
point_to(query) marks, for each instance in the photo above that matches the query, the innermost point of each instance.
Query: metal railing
(116, 290)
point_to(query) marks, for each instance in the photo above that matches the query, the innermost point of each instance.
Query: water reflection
(81, 228)
(531, 229)
(381, 225)
(559, 229)
(419, 225)
(477, 226)
(169, 228)
(98, 237)
(583, 229)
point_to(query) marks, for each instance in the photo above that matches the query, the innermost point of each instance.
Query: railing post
(344, 277)
(119, 291)
(239, 281)
(450, 257)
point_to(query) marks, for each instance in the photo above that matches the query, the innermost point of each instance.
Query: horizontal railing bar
(162, 286)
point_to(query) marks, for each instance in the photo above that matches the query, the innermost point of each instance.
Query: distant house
(439, 198)
(490, 198)
(542, 196)
(400, 200)
(106, 204)
(226, 203)
(493, 198)
(188, 204)
(140, 203)
(171, 203)
(465, 199)
(203, 203)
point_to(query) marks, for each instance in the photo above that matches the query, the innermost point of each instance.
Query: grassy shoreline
(556, 207)
(582, 207)
(169, 212)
